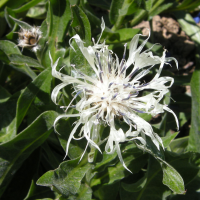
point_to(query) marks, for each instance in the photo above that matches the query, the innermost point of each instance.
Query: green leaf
(116, 5)
(22, 24)
(4, 94)
(135, 187)
(11, 4)
(3, 24)
(81, 24)
(192, 191)
(104, 4)
(179, 145)
(8, 119)
(194, 139)
(38, 192)
(171, 177)
(128, 9)
(159, 7)
(14, 152)
(84, 193)
(37, 12)
(188, 25)
(29, 94)
(139, 15)
(168, 139)
(51, 156)
(58, 19)
(22, 178)
(79, 60)
(9, 12)
(26, 6)
(76, 147)
(107, 191)
(66, 179)
(154, 189)
(25, 70)
(9, 47)
(133, 158)
(17, 59)
(124, 35)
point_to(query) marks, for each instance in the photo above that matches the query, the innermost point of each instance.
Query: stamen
(122, 64)
(90, 91)
(124, 51)
(140, 111)
(121, 113)
(114, 96)
(143, 85)
(133, 94)
(98, 59)
(130, 76)
(110, 84)
(93, 41)
(109, 63)
(100, 76)
(97, 116)
(75, 70)
(73, 99)
(73, 106)
(123, 70)
(102, 98)
(126, 85)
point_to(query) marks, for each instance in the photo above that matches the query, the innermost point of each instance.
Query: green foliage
(31, 153)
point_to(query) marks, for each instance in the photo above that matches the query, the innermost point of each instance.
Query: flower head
(115, 91)
(29, 38)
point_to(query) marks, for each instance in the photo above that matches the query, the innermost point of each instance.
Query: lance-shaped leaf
(57, 24)
(8, 49)
(27, 6)
(29, 94)
(76, 147)
(22, 178)
(14, 152)
(110, 171)
(22, 24)
(116, 5)
(186, 164)
(8, 119)
(81, 26)
(171, 177)
(21, 60)
(66, 179)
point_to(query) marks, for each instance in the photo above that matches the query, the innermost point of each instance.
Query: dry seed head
(29, 38)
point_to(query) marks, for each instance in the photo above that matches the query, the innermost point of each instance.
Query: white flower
(29, 38)
(116, 92)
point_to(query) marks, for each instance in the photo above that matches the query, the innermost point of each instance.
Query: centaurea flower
(114, 93)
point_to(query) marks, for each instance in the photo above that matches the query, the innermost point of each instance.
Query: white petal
(71, 136)
(120, 156)
(169, 110)
(56, 91)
